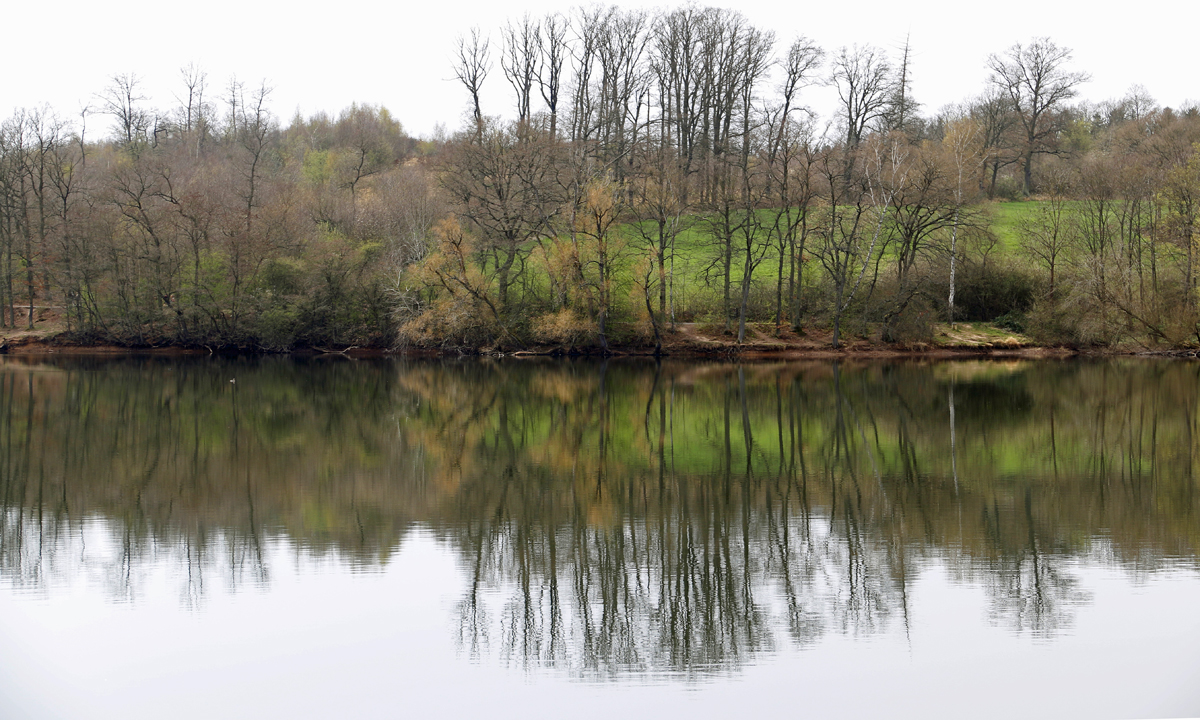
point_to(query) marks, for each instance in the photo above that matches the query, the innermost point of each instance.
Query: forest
(652, 168)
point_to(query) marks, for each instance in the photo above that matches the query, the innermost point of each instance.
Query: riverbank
(687, 340)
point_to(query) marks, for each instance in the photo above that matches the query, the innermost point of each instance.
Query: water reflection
(611, 516)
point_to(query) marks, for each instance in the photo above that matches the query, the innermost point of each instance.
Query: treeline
(208, 223)
(653, 168)
(662, 166)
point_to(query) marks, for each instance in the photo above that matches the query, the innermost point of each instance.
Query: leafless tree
(865, 88)
(678, 73)
(552, 53)
(472, 63)
(195, 113)
(1138, 102)
(122, 99)
(859, 195)
(623, 91)
(1047, 233)
(519, 62)
(996, 118)
(1036, 80)
(504, 186)
(901, 111)
(789, 160)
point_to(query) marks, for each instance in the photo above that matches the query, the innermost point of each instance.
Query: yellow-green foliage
(461, 309)
(564, 327)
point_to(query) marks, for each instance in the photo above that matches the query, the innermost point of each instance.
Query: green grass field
(1006, 219)
(698, 272)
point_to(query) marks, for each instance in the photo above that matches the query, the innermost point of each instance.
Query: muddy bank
(690, 340)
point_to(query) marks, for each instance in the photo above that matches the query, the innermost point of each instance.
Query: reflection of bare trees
(605, 601)
(178, 465)
(1033, 593)
(755, 508)
(1031, 586)
(40, 553)
(614, 517)
(692, 573)
(672, 594)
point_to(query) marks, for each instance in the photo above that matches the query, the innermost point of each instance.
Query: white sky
(326, 56)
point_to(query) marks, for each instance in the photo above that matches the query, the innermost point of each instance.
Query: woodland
(652, 168)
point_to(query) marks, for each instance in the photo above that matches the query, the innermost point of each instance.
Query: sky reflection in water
(513, 538)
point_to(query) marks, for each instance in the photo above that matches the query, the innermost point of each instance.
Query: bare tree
(1047, 233)
(472, 63)
(865, 88)
(519, 62)
(859, 198)
(1138, 102)
(246, 237)
(623, 87)
(789, 162)
(72, 246)
(755, 184)
(552, 52)
(14, 207)
(677, 70)
(802, 61)
(1036, 80)
(504, 186)
(194, 80)
(588, 24)
(994, 114)
(962, 140)
(901, 111)
(195, 113)
(122, 99)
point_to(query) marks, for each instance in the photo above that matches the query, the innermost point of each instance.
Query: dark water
(333, 538)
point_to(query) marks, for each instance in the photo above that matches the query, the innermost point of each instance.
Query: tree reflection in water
(612, 516)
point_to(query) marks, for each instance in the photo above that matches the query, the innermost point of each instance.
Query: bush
(985, 293)
(564, 327)
(448, 322)
(913, 324)
(1049, 322)
(1013, 320)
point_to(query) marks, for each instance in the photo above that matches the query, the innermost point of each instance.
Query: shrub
(564, 327)
(913, 324)
(985, 292)
(1013, 320)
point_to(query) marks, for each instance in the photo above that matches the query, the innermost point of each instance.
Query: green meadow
(696, 269)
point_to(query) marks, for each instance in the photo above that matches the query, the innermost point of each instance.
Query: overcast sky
(328, 55)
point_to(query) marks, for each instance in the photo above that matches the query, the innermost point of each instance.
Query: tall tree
(996, 119)
(1047, 233)
(506, 187)
(1036, 80)
(519, 61)
(552, 52)
(962, 142)
(122, 100)
(472, 63)
(789, 156)
(865, 88)
(901, 112)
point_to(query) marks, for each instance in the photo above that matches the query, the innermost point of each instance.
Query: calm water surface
(275, 537)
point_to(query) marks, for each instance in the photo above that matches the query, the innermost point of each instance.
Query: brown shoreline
(679, 346)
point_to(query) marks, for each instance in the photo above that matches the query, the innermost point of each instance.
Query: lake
(329, 537)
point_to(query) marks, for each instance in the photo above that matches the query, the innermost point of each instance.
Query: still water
(275, 537)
